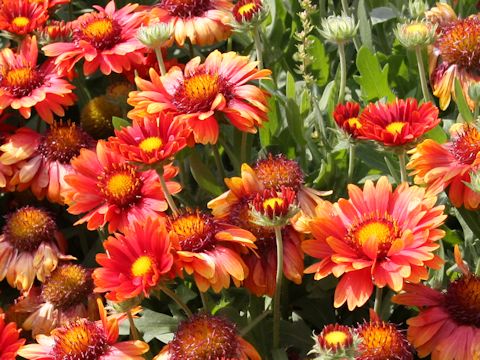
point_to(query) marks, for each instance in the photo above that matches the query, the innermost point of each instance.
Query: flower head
(272, 208)
(155, 35)
(10, 341)
(416, 34)
(249, 12)
(22, 17)
(417, 8)
(377, 237)
(347, 118)
(339, 28)
(335, 342)
(96, 116)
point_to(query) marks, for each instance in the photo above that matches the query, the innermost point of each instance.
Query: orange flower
(111, 190)
(245, 11)
(22, 17)
(202, 91)
(210, 249)
(10, 341)
(346, 117)
(104, 39)
(84, 339)
(202, 22)
(205, 337)
(25, 85)
(449, 165)
(135, 262)
(448, 325)
(377, 237)
(397, 123)
(30, 247)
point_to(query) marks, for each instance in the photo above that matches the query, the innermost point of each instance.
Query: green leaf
(203, 176)
(364, 25)
(156, 325)
(373, 80)
(382, 14)
(462, 105)
(119, 123)
(290, 86)
(321, 64)
(437, 134)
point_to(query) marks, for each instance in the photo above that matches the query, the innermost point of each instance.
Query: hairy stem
(278, 288)
(423, 76)
(171, 294)
(161, 64)
(343, 72)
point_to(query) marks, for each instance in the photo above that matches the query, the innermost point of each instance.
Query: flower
(41, 162)
(415, 34)
(202, 22)
(272, 208)
(204, 337)
(417, 8)
(111, 190)
(96, 116)
(65, 295)
(249, 12)
(155, 35)
(30, 247)
(105, 39)
(134, 263)
(203, 91)
(347, 118)
(377, 237)
(339, 28)
(25, 85)
(84, 339)
(22, 17)
(448, 324)
(335, 342)
(210, 249)
(397, 123)
(10, 341)
(449, 165)
(149, 141)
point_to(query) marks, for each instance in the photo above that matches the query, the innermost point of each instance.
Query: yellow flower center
(336, 338)
(382, 230)
(99, 29)
(354, 123)
(20, 21)
(201, 87)
(120, 185)
(242, 10)
(150, 144)
(272, 203)
(21, 77)
(417, 28)
(395, 127)
(195, 231)
(382, 341)
(142, 266)
(376, 230)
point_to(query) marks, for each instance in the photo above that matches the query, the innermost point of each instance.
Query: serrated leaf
(203, 176)
(156, 325)
(462, 105)
(119, 123)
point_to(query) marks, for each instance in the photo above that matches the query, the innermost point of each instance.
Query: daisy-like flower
(398, 123)
(136, 262)
(84, 339)
(210, 249)
(151, 141)
(65, 295)
(347, 118)
(449, 165)
(10, 341)
(448, 325)
(25, 85)
(201, 92)
(335, 342)
(104, 39)
(234, 207)
(111, 190)
(30, 247)
(42, 162)
(205, 337)
(22, 17)
(377, 237)
(201, 22)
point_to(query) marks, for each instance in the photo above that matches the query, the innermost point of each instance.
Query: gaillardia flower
(448, 325)
(84, 339)
(136, 262)
(25, 85)
(249, 13)
(30, 247)
(111, 190)
(398, 123)
(210, 249)
(377, 237)
(201, 22)
(104, 39)
(206, 337)
(199, 93)
(10, 341)
(21, 17)
(449, 165)
(346, 116)
(335, 342)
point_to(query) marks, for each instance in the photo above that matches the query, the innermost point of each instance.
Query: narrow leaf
(462, 105)
(203, 176)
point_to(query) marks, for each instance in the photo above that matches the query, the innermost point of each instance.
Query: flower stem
(378, 301)
(171, 294)
(403, 168)
(254, 323)
(218, 162)
(204, 301)
(475, 111)
(258, 47)
(278, 287)
(343, 72)
(243, 148)
(421, 72)
(133, 329)
(351, 161)
(161, 64)
(167, 194)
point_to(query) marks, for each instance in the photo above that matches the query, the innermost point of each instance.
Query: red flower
(346, 117)
(10, 342)
(22, 16)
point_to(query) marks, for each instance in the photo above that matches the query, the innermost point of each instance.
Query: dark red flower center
(100, 31)
(277, 171)
(21, 81)
(195, 231)
(465, 145)
(240, 216)
(185, 8)
(121, 185)
(462, 300)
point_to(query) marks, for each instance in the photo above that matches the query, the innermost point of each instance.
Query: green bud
(339, 29)
(474, 92)
(417, 8)
(416, 33)
(156, 35)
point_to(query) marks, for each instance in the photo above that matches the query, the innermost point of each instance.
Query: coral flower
(25, 85)
(210, 249)
(150, 141)
(65, 295)
(22, 17)
(335, 342)
(377, 237)
(397, 123)
(111, 190)
(10, 341)
(84, 339)
(449, 165)
(202, 91)
(30, 247)
(104, 39)
(346, 116)
(205, 337)
(448, 325)
(41, 162)
(202, 22)
(135, 262)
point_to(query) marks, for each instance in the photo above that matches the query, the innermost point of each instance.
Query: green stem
(278, 288)
(190, 50)
(321, 123)
(403, 168)
(254, 323)
(475, 111)
(167, 194)
(378, 301)
(161, 64)
(171, 294)
(343, 72)
(258, 47)
(204, 302)
(421, 72)
(133, 329)
(351, 161)
(243, 148)
(218, 162)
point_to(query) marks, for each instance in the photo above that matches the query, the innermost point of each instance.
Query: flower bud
(415, 33)
(417, 8)
(272, 208)
(339, 29)
(156, 35)
(249, 13)
(335, 342)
